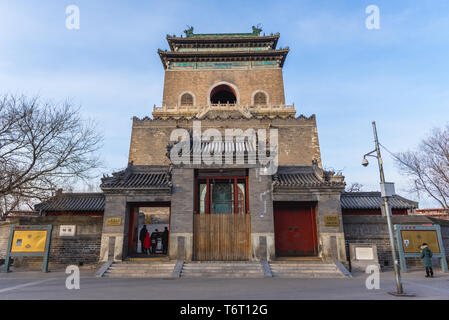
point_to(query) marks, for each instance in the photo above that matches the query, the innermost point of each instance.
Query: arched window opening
(186, 99)
(260, 99)
(223, 94)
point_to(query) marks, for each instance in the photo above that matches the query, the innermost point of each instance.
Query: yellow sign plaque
(331, 220)
(114, 221)
(29, 241)
(413, 239)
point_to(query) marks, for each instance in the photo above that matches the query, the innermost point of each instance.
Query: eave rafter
(231, 41)
(171, 56)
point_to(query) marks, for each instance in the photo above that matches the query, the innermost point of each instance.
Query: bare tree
(428, 166)
(43, 146)
(354, 187)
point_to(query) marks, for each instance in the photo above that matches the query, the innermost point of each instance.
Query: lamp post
(387, 191)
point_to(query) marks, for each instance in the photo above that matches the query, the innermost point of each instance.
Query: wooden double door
(295, 229)
(221, 237)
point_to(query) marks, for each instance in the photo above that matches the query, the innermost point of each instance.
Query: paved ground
(36, 285)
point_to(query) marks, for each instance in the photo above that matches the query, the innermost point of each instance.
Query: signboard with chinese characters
(114, 221)
(411, 237)
(331, 220)
(364, 253)
(33, 241)
(67, 230)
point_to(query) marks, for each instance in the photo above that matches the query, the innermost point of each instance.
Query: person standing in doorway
(165, 241)
(154, 237)
(142, 235)
(146, 243)
(426, 256)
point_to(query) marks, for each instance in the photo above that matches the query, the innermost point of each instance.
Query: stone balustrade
(225, 106)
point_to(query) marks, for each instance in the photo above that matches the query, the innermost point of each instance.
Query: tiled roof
(373, 200)
(226, 147)
(73, 202)
(143, 177)
(303, 176)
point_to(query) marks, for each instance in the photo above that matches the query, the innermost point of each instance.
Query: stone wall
(81, 249)
(331, 238)
(200, 83)
(261, 211)
(181, 220)
(373, 229)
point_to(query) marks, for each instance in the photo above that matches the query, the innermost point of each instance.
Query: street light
(387, 191)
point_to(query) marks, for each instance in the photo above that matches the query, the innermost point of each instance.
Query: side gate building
(223, 199)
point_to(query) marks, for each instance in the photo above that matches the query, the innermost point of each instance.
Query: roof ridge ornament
(189, 31)
(256, 30)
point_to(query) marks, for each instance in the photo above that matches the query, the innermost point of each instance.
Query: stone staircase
(305, 269)
(131, 269)
(229, 269)
(223, 269)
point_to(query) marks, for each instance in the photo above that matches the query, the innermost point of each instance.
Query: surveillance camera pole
(397, 273)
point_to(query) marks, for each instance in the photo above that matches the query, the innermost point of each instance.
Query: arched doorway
(223, 94)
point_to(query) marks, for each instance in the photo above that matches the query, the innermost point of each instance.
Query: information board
(411, 237)
(31, 241)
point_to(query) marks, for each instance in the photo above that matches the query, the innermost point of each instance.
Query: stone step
(141, 266)
(221, 265)
(304, 270)
(223, 268)
(301, 264)
(306, 275)
(140, 270)
(220, 271)
(223, 275)
(145, 263)
(143, 272)
(301, 268)
(138, 275)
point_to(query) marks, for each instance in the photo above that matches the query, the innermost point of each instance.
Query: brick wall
(199, 82)
(297, 138)
(83, 248)
(373, 229)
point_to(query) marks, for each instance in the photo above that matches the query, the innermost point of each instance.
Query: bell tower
(223, 70)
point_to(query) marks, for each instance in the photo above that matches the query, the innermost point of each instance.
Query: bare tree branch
(42, 147)
(354, 187)
(428, 166)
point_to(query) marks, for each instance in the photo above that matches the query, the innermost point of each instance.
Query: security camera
(365, 162)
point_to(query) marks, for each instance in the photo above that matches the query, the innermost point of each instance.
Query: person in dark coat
(142, 235)
(426, 256)
(165, 241)
(154, 237)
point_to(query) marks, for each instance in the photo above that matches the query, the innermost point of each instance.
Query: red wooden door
(132, 230)
(295, 230)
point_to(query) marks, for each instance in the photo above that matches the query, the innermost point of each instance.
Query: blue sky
(337, 69)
